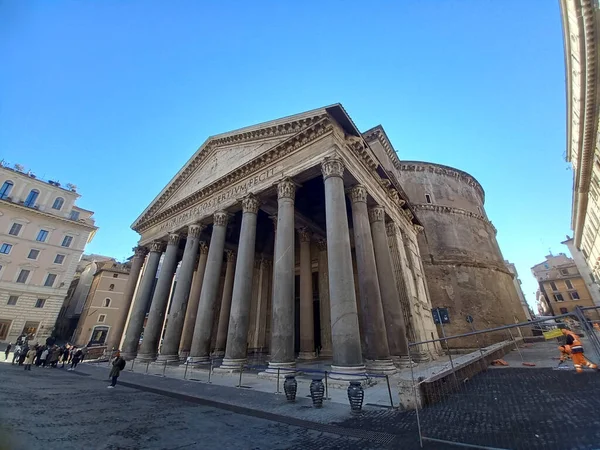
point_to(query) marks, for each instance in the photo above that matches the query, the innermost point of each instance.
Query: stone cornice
(49, 216)
(457, 262)
(308, 134)
(581, 33)
(292, 128)
(377, 133)
(419, 166)
(451, 210)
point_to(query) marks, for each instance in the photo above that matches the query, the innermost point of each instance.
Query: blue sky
(115, 96)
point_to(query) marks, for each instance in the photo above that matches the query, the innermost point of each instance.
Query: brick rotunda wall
(463, 263)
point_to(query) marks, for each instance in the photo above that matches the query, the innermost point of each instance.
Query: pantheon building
(302, 238)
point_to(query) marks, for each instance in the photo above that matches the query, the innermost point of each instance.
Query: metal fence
(515, 393)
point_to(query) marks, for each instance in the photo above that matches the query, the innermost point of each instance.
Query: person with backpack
(118, 364)
(75, 358)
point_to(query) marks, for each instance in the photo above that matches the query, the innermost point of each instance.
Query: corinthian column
(169, 351)
(282, 325)
(116, 331)
(200, 351)
(344, 316)
(142, 299)
(307, 326)
(324, 306)
(237, 336)
(156, 316)
(194, 299)
(377, 350)
(394, 317)
(225, 304)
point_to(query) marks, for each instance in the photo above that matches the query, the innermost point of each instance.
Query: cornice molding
(452, 210)
(377, 133)
(457, 262)
(49, 216)
(317, 127)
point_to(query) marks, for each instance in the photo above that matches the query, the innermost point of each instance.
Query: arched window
(106, 302)
(32, 197)
(58, 203)
(111, 287)
(5, 190)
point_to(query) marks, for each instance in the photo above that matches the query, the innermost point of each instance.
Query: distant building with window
(77, 294)
(42, 237)
(104, 304)
(561, 285)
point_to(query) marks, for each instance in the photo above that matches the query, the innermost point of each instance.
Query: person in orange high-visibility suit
(574, 349)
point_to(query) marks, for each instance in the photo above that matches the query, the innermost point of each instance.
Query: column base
(347, 373)
(231, 365)
(284, 368)
(145, 357)
(128, 356)
(199, 359)
(421, 357)
(168, 359)
(183, 355)
(403, 362)
(382, 366)
(219, 353)
(307, 355)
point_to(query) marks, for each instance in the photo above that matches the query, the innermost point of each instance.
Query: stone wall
(464, 267)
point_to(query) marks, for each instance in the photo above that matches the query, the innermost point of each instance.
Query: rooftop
(20, 169)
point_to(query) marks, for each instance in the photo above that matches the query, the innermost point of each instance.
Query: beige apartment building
(581, 29)
(42, 237)
(561, 286)
(104, 307)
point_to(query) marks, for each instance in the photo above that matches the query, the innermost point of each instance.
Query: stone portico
(289, 238)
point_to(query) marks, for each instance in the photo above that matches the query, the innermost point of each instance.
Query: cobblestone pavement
(54, 409)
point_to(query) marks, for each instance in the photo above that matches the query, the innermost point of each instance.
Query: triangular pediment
(224, 153)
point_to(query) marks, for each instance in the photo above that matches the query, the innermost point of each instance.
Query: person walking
(29, 358)
(23, 354)
(64, 357)
(75, 359)
(44, 357)
(118, 364)
(53, 356)
(7, 351)
(16, 354)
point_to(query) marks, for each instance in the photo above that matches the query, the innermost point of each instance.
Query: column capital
(203, 248)
(174, 239)
(250, 204)
(195, 230)
(286, 188)
(157, 246)
(139, 251)
(376, 214)
(332, 166)
(229, 255)
(322, 245)
(304, 234)
(358, 193)
(220, 218)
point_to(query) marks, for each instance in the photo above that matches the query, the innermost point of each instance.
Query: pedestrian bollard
(278, 381)
(387, 379)
(241, 371)
(185, 371)
(326, 388)
(164, 369)
(147, 365)
(210, 370)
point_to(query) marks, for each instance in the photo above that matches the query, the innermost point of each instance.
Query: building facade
(463, 265)
(104, 307)
(294, 237)
(43, 234)
(561, 285)
(581, 31)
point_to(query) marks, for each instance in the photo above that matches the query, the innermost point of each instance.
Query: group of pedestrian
(48, 356)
